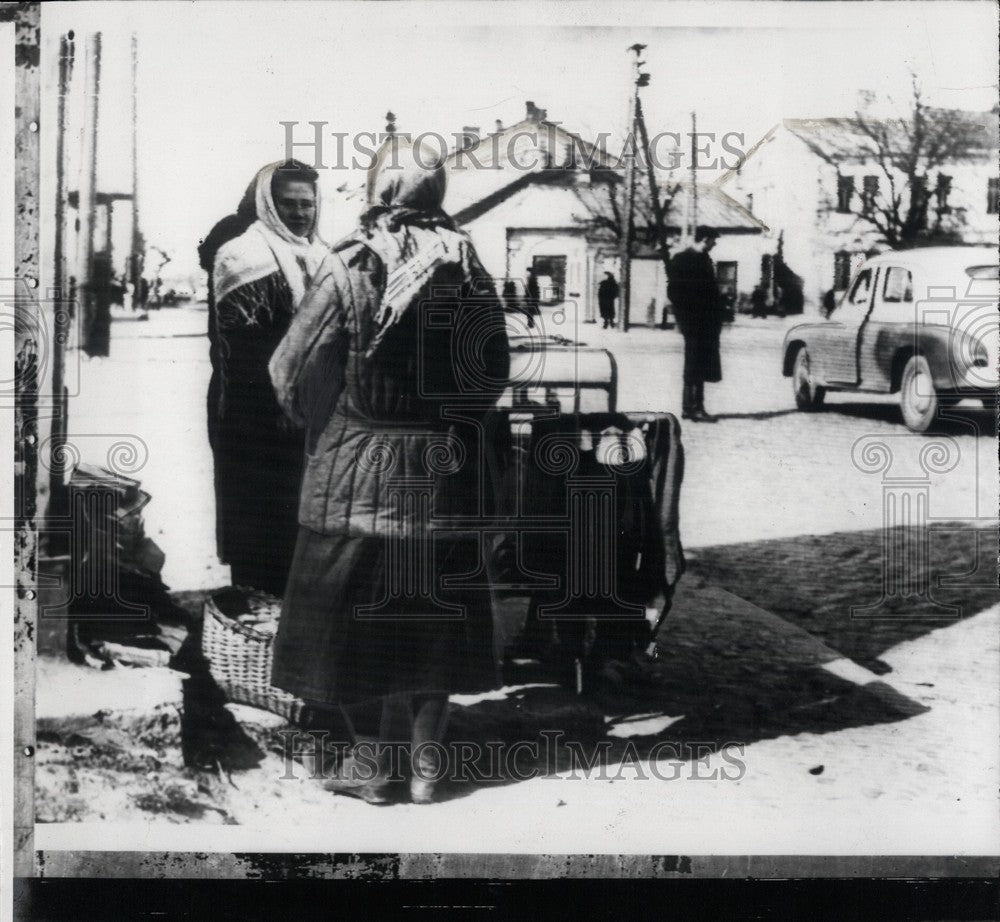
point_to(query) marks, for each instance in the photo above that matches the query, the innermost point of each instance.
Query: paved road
(764, 471)
(838, 760)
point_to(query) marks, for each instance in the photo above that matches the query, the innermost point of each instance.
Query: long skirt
(258, 476)
(355, 627)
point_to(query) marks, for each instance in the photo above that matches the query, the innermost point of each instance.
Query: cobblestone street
(873, 733)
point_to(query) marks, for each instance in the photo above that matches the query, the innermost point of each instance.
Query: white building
(788, 181)
(530, 196)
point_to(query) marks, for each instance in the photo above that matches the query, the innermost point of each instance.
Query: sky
(216, 79)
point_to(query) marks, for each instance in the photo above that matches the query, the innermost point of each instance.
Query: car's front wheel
(808, 395)
(918, 400)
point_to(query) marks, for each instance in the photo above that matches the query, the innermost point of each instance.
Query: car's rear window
(983, 272)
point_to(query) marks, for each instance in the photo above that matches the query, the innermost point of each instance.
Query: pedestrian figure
(258, 279)
(697, 304)
(607, 293)
(512, 301)
(758, 299)
(385, 393)
(532, 298)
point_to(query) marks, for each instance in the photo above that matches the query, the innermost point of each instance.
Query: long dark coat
(258, 452)
(607, 291)
(697, 305)
(368, 611)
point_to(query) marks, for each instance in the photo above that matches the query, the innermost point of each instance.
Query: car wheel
(808, 395)
(918, 399)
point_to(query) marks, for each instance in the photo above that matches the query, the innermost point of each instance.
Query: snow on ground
(921, 784)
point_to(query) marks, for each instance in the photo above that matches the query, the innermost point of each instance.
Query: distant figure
(829, 302)
(532, 298)
(607, 293)
(96, 339)
(697, 303)
(759, 301)
(512, 301)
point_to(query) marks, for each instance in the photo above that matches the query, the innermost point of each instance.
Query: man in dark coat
(532, 297)
(607, 292)
(697, 304)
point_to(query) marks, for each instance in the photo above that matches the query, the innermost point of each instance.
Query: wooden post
(87, 202)
(625, 237)
(136, 262)
(62, 314)
(694, 176)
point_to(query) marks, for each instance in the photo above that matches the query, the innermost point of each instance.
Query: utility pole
(694, 176)
(87, 201)
(62, 315)
(659, 212)
(639, 79)
(138, 247)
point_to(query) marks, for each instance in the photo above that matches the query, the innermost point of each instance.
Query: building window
(841, 270)
(941, 193)
(869, 192)
(993, 195)
(845, 192)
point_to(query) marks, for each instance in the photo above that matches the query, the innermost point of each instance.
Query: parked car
(921, 323)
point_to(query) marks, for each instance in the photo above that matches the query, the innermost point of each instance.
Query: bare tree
(907, 153)
(604, 201)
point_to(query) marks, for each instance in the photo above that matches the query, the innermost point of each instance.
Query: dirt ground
(813, 724)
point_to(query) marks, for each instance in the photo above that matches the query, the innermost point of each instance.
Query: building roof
(535, 121)
(715, 207)
(843, 138)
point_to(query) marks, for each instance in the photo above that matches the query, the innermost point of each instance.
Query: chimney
(470, 136)
(531, 111)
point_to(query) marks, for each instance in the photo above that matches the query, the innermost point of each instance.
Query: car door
(891, 325)
(836, 350)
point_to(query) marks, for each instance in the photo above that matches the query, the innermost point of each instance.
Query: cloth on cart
(623, 557)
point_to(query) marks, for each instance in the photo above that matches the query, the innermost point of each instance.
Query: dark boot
(698, 413)
(687, 402)
(430, 717)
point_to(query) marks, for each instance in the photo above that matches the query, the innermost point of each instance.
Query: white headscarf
(268, 246)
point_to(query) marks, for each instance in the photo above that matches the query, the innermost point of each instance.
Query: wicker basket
(239, 657)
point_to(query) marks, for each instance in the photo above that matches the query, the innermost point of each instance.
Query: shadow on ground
(750, 651)
(965, 419)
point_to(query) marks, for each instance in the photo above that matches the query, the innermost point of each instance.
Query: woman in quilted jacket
(392, 364)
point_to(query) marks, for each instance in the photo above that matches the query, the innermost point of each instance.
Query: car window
(983, 281)
(898, 288)
(861, 290)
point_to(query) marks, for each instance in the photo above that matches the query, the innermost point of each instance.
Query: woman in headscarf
(258, 280)
(393, 363)
(224, 230)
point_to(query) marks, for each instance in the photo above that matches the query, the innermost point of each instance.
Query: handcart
(591, 497)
